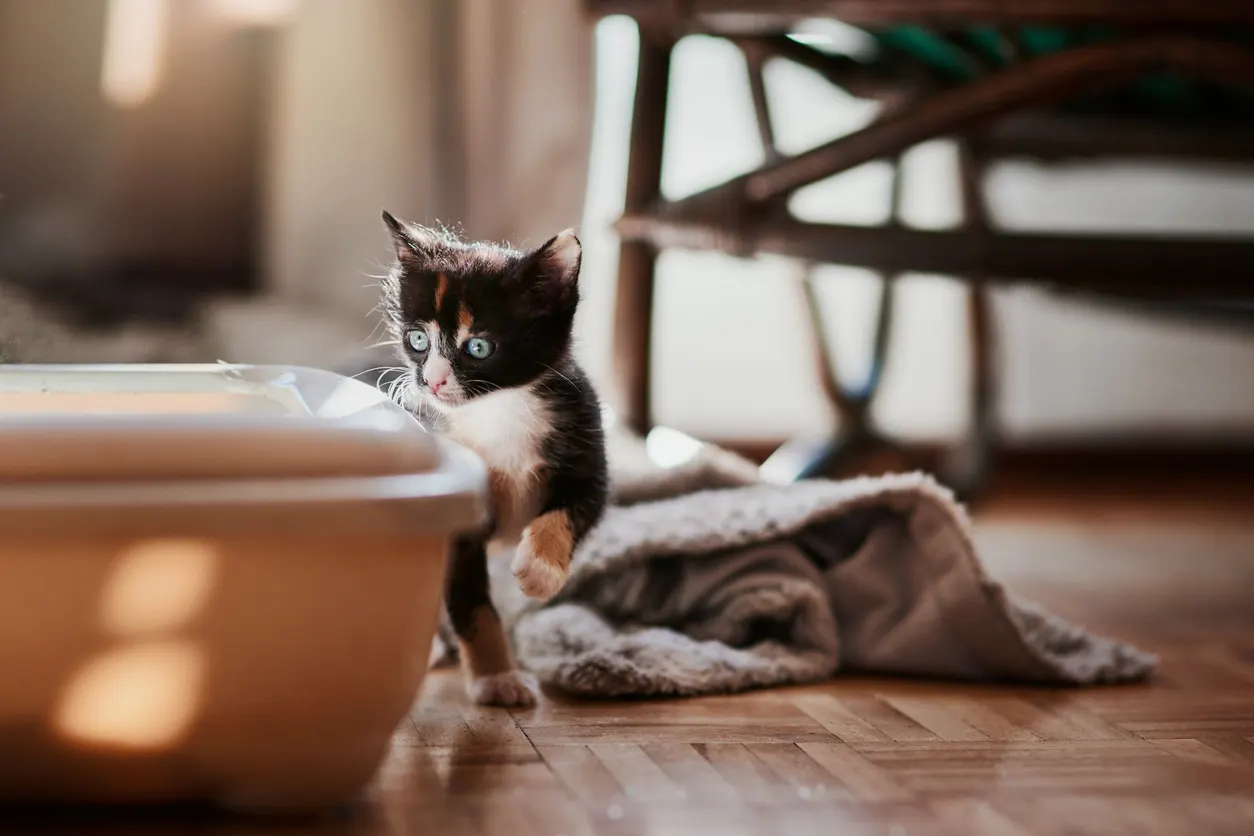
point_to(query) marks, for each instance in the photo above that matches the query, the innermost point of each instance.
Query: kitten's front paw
(542, 562)
(537, 577)
(511, 689)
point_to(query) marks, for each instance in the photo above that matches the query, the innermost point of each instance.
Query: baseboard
(272, 330)
(1075, 458)
(151, 292)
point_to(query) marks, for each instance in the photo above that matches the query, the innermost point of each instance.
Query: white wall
(367, 93)
(350, 134)
(524, 95)
(354, 102)
(729, 349)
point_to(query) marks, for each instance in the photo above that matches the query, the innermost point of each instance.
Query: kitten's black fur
(554, 480)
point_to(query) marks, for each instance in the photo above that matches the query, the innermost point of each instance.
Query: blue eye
(479, 348)
(419, 341)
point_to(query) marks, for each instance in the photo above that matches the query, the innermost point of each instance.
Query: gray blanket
(704, 580)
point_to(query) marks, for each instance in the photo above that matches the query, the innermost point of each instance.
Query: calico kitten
(486, 331)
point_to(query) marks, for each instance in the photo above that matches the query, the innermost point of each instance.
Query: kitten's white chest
(507, 430)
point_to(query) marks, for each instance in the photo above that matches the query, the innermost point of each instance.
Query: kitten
(486, 332)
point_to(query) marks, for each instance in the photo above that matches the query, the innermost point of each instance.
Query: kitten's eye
(419, 341)
(479, 348)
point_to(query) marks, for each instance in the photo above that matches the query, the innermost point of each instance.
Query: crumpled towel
(702, 579)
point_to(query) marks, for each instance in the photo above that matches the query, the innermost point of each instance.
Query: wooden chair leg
(856, 440)
(967, 469)
(633, 314)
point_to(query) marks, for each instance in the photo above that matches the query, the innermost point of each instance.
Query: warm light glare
(51, 402)
(158, 586)
(141, 697)
(670, 448)
(258, 12)
(350, 398)
(135, 35)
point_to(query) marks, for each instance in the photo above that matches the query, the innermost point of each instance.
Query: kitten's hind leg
(443, 644)
(491, 676)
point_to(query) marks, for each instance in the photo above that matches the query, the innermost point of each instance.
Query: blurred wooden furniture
(1051, 79)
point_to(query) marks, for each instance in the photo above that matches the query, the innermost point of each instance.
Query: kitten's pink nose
(437, 372)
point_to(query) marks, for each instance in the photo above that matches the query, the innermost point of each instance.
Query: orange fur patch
(551, 538)
(441, 288)
(464, 319)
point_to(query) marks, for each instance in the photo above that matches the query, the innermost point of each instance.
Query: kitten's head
(474, 318)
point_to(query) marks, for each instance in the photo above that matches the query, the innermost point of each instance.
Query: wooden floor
(882, 756)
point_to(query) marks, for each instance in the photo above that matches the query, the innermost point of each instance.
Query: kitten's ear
(557, 262)
(413, 244)
(561, 258)
(552, 273)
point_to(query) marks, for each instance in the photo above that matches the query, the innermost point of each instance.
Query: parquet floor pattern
(859, 756)
(862, 755)
(886, 756)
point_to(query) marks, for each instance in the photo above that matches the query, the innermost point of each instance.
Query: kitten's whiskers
(559, 374)
(382, 370)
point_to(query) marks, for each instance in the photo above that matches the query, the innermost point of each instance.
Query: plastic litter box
(217, 583)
